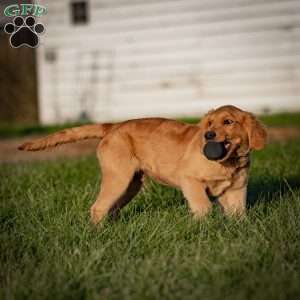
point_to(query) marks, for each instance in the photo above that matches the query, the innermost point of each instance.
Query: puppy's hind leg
(117, 189)
(132, 189)
(121, 178)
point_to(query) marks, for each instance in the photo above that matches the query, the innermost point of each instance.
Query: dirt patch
(9, 150)
(10, 153)
(278, 134)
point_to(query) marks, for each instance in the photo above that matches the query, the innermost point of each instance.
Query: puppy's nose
(209, 135)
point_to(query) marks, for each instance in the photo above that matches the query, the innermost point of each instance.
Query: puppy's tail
(68, 136)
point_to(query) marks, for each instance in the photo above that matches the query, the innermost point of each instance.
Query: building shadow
(260, 190)
(271, 190)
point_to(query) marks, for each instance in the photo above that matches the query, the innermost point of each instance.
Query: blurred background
(116, 59)
(109, 60)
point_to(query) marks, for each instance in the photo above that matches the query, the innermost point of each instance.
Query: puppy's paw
(201, 214)
(237, 214)
(96, 215)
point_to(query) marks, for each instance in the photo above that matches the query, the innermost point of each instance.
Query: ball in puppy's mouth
(215, 150)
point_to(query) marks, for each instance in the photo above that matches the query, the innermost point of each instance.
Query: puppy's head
(231, 132)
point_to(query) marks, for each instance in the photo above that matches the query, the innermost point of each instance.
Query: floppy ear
(257, 134)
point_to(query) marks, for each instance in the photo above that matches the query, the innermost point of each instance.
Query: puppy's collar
(239, 161)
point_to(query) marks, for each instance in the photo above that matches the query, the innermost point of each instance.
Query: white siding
(182, 57)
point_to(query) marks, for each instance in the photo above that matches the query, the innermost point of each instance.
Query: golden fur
(172, 153)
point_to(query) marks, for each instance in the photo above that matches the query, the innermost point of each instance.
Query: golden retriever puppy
(209, 158)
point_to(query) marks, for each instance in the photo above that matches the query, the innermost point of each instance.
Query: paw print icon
(24, 32)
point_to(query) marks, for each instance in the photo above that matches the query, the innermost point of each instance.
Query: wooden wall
(171, 58)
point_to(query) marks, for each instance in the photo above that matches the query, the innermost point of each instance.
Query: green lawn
(49, 250)
(15, 130)
(273, 120)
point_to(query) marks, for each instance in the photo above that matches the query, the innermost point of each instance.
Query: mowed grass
(8, 130)
(155, 250)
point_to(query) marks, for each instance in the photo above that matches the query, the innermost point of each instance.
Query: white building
(120, 59)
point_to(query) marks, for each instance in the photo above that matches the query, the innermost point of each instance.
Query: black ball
(214, 150)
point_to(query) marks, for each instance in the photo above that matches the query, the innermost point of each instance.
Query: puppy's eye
(209, 123)
(228, 122)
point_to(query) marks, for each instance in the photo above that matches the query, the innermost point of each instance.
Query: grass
(49, 250)
(273, 120)
(17, 130)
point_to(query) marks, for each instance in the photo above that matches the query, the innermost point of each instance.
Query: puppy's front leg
(233, 201)
(194, 192)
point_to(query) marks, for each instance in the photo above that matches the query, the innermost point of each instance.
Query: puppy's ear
(210, 112)
(201, 122)
(257, 134)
